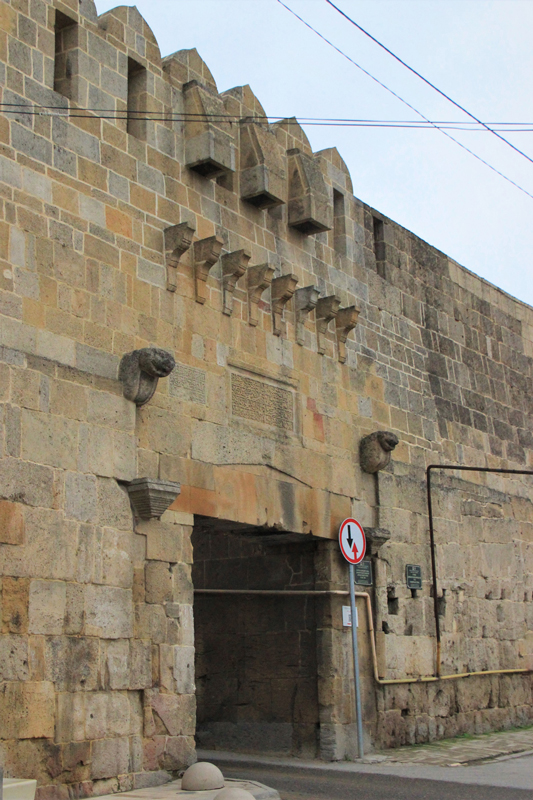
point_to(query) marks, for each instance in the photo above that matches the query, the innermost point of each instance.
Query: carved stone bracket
(310, 207)
(326, 310)
(233, 267)
(282, 290)
(263, 179)
(376, 538)
(209, 141)
(305, 300)
(375, 450)
(206, 254)
(178, 239)
(150, 497)
(259, 279)
(140, 371)
(345, 321)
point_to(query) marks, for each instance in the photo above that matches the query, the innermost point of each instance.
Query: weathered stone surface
(110, 757)
(11, 523)
(158, 578)
(48, 600)
(27, 710)
(108, 612)
(14, 658)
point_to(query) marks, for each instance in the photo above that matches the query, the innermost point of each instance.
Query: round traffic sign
(352, 541)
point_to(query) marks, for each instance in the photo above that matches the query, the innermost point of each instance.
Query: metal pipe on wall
(371, 630)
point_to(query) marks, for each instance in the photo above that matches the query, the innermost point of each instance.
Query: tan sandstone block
(11, 522)
(49, 440)
(158, 581)
(47, 606)
(8, 19)
(27, 710)
(109, 612)
(163, 540)
(15, 601)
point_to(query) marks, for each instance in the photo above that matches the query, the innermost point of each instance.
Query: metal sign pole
(356, 663)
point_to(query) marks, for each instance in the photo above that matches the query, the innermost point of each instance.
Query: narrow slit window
(66, 42)
(137, 99)
(339, 222)
(379, 239)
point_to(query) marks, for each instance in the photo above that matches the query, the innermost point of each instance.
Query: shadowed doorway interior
(256, 656)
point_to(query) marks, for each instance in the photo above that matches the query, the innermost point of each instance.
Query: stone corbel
(282, 290)
(326, 310)
(206, 254)
(233, 267)
(178, 239)
(310, 208)
(376, 538)
(150, 497)
(259, 279)
(209, 141)
(375, 450)
(305, 300)
(345, 321)
(140, 371)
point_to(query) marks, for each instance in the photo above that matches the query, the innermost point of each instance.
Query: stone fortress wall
(300, 321)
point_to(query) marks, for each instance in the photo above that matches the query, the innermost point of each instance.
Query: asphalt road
(294, 783)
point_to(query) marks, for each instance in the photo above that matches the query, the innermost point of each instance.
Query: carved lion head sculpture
(375, 450)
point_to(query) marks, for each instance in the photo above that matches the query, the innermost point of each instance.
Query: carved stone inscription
(262, 402)
(188, 383)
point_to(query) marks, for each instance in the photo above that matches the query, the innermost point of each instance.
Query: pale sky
(477, 51)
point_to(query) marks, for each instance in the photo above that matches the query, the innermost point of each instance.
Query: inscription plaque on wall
(259, 401)
(413, 576)
(363, 573)
(188, 383)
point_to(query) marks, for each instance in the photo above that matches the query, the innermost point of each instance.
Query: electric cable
(428, 82)
(405, 102)
(146, 114)
(76, 113)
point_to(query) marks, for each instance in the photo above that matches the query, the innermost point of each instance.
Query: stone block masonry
(300, 321)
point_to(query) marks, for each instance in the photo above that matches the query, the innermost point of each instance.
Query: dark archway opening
(256, 656)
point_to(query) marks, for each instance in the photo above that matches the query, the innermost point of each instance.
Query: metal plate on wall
(413, 576)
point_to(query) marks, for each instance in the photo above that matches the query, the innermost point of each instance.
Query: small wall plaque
(363, 573)
(413, 576)
(347, 617)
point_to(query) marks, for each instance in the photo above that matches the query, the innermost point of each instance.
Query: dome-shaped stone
(202, 777)
(234, 793)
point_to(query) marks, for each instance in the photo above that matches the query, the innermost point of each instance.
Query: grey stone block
(30, 144)
(97, 362)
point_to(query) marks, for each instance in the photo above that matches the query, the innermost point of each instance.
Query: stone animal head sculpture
(375, 450)
(140, 371)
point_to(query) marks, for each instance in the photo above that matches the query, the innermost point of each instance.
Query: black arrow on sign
(349, 537)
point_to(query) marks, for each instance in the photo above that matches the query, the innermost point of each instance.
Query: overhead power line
(405, 102)
(144, 114)
(428, 82)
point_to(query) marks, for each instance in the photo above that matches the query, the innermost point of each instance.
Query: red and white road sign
(352, 541)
